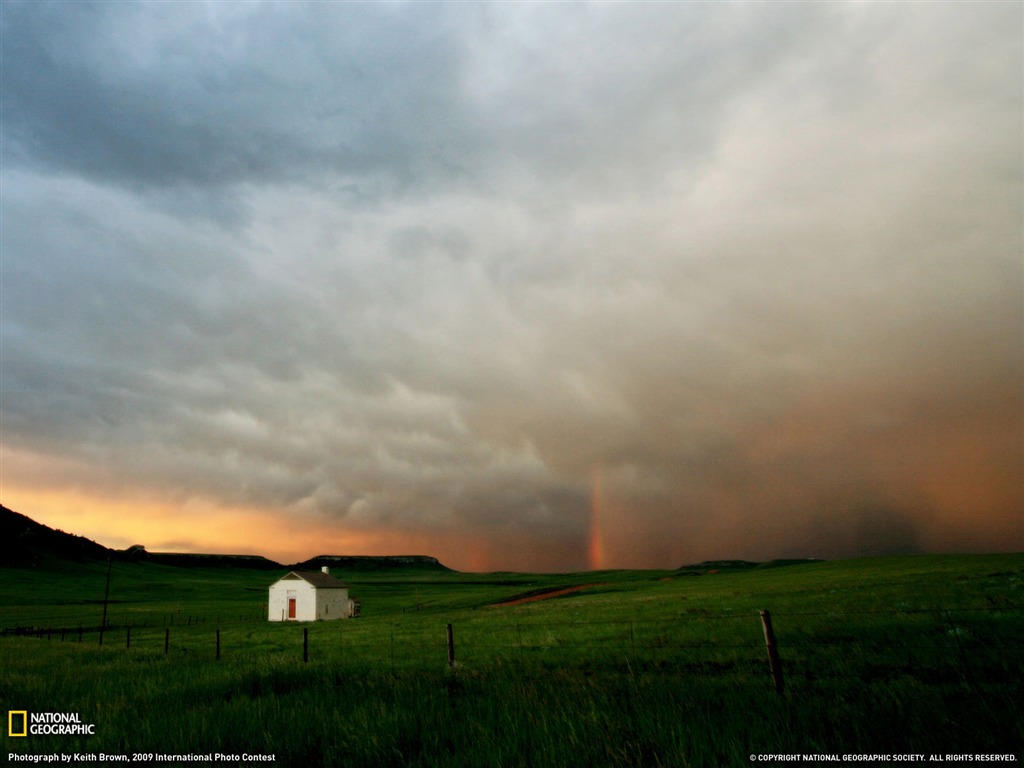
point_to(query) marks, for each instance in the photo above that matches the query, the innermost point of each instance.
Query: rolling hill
(25, 543)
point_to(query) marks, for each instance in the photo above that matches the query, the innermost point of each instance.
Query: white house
(309, 596)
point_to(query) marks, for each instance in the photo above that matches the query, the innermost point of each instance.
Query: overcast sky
(540, 286)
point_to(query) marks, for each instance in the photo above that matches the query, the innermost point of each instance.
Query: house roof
(318, 579)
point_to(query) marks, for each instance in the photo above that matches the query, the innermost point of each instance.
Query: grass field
(902, 655)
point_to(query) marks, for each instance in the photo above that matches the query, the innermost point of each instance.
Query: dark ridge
(720, 565)
(716, 566)
(790, 561)
(370, 563)
(26, 543)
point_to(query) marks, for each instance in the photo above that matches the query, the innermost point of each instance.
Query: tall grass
(326, 712)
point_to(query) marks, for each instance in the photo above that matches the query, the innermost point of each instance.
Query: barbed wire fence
(970, 644)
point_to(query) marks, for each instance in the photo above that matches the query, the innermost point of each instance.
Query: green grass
(914, 654)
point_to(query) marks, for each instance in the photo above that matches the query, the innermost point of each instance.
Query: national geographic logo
(17, 722)
(21, 722)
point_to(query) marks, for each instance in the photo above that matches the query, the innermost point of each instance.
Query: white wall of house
(332, 604)
(286, 590)
(311, 603)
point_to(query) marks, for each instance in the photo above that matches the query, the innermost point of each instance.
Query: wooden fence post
(954, 632)
(451, 647)
(167, 640)
(774, 663)
(218, 645)
(128, 639)
(305, 644)
(106, 599)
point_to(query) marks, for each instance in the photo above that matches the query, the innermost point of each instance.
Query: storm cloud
(519, 285)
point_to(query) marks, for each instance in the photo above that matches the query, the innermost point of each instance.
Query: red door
(291, 607)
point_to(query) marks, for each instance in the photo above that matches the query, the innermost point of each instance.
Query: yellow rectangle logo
(12, 714)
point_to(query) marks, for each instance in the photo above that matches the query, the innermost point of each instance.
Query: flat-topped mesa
(201, 560)
(371, 562)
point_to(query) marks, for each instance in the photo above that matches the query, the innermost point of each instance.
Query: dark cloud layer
(612, 284)
(155, 95)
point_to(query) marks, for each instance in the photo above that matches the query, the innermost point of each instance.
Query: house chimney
(325, 569)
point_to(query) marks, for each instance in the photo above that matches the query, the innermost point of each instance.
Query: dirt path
(545, 595)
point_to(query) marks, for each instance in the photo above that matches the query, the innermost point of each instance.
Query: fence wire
(969, 643)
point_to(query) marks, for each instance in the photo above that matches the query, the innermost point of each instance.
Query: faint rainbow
(596, 543)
